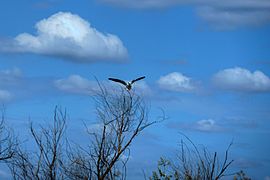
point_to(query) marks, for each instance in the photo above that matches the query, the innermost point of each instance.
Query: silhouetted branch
(44, 163)
(8, 142)
(193, 164)
(122, 116)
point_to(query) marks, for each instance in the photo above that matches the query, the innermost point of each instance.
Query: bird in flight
(128, 85)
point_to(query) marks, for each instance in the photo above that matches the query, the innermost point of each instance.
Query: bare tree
(8, 142)
(44, 162)
(193, 164)
(122, 115)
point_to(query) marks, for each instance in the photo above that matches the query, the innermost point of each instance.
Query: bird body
(128, 85)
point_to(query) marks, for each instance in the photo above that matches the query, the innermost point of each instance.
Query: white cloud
(176, 82)
(80, 85)
(227, 14)
(68, 36)
(15, 72)
(142, 3)
(98, 128)
(227, 18)
(267, 178)
(240, 79)
(95, 128)
(10, 76)
(75, 84)
(142, 88)
(205, 125)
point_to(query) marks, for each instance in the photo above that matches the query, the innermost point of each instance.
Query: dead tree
(193, 164)
(122, 116)
(208, 166)
(8, 142)
(44, 161)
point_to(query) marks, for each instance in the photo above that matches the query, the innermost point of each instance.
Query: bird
(128, 85)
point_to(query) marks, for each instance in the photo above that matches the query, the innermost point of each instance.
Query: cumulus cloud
(75, 84)
(176, 82)
(227, 14)
(240, 79)
(70, 37)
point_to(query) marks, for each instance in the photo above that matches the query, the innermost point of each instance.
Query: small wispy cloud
(142, 4)
(241, 123)
(5, 96)
(219, 124)
(245, 163)
(143, 88)
(15, 85)
(14, 72)
(205, 125)
(176, 82)
(96, 128)
(224, 15)
(75, 84)
(240, 79)
(69, 37)
(8, 78)
(228, 16)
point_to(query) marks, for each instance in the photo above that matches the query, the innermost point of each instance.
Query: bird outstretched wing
(118, 80)
(137, 79)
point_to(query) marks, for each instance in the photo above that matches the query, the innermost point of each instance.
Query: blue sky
(207, 64)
